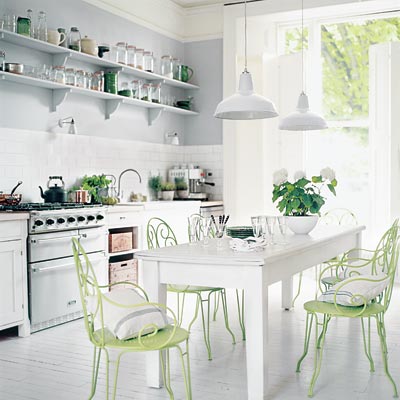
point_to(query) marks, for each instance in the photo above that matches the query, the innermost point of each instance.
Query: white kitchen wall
(32, 156)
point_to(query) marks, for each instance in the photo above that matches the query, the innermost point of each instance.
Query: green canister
(111, 82)
(24, 26)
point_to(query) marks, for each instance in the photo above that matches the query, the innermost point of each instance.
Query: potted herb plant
(301, 200)
(167, 191)
(154, 186)
(181, 188)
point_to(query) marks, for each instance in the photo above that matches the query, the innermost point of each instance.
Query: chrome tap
(119, 195)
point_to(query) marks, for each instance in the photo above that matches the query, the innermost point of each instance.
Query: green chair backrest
(339, 216)
(159, 234)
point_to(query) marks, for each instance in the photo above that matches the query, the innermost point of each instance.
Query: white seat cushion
(356, 291)
(126, 322)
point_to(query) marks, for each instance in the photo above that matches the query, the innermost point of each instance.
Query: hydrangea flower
(299, 175)
(328, 173)
(280, 176)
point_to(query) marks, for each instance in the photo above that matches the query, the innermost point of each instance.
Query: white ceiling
(197, 3)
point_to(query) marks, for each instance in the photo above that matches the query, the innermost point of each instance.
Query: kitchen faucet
(119, 194)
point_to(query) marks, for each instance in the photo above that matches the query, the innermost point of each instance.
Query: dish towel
(249, 244)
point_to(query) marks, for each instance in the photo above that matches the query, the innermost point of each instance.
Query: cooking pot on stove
(56, 192)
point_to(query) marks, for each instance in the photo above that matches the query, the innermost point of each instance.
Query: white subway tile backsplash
(33, 156)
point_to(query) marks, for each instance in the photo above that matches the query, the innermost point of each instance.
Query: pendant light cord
(302, 45)
(245, 36)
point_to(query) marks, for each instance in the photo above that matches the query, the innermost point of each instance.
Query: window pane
(345, 48)
(293, 40)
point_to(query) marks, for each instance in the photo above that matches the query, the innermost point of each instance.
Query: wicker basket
(123, 271)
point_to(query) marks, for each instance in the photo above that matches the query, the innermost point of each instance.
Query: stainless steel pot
(14, 68)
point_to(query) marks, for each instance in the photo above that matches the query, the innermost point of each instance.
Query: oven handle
(59, 238)
(87, 236)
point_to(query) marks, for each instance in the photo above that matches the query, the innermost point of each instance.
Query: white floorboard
(56, 363)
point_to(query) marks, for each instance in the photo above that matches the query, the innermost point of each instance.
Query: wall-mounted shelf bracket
(111, 107)
(59, 95)
(154, 115)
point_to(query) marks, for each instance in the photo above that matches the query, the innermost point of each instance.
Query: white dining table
(195, 264)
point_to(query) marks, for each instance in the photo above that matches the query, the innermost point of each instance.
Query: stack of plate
(240, 232)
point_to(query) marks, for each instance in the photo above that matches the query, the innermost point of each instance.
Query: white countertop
(212, 203)
(152, 205)
(13, 216)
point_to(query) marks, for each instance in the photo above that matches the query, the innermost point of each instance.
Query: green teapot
(185, 73)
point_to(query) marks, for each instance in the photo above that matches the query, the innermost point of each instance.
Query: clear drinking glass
(256, 226)
(194, 225)
(205, 229)
(271, 222)
(282, 223)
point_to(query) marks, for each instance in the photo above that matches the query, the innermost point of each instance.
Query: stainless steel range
(53, 286)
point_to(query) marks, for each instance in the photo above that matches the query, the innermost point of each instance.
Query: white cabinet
(13, 276)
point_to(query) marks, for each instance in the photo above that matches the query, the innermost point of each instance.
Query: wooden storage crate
(122, 241)
(123, 271)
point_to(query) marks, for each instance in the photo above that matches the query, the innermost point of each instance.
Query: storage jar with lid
(136, 86)
(70, 78)
(166, 66)
(111, 82)
(121, 53)
(146, 92)
(156, 93)
(88, 82)
(81, 78)
(58, 74)
(125, 90)
(139, 58)
(175, 68)
(131, 55)
(74, 39)
(24, 26)
(89, 46)
(97, 82)
(148, 61)
(42, 26)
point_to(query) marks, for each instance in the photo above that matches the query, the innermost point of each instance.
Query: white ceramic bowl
(302, 225)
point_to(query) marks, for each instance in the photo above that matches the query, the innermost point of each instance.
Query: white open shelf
(62, 54)
(113, 101)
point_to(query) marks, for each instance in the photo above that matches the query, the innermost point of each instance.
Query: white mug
(55, 37)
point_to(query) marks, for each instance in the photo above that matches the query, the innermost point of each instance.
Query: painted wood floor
(56, 363)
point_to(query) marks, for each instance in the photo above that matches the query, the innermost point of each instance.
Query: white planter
(302, 225)
(169, 195)
(182, 194)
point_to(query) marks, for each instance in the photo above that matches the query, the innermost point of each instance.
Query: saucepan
(11, 198)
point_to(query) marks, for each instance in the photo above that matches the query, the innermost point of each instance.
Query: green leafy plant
(302, 196)
(93, 184)
(167, 187)
(155, 183)
(180, 184)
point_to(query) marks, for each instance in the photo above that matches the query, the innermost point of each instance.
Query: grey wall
(206, 57)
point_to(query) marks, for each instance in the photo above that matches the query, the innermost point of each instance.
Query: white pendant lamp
(302, 119)
(245, 104)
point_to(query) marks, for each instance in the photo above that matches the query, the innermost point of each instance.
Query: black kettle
(56, 192)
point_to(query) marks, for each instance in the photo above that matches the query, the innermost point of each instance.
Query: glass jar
(121, 53)
(9, 22)
(42, 27)
(111, 82)
(139, 59)
(97, 82)
(24, 26)
(70, 78)
(175, 68)
(136, 86)
(81, 78)
(74, 39)
(58, 74)
(131, 55)
(166, 66)
(146, 92)
(88, 82)
(29, 14)
(156, 93)
(2, 59)
(125, 90)
(148, 61)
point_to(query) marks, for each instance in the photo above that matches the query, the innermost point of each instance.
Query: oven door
(94, 239)
(48, 246)
(54, 289)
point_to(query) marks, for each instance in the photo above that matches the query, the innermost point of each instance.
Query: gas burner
(46, 206)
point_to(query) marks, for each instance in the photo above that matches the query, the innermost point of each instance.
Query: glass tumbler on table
(271, 222)
(257, 229)
(194, 225)
(206, 230)
(282, 223)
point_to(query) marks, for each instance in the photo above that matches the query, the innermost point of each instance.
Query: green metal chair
(196, 219)
(160, 234)
(334, 217)
(382, 267)
(103, 340)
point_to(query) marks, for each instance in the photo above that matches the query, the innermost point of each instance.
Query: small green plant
(92, 184)
(180, 184)
(167, 187)
(303, 196)
(155, 183)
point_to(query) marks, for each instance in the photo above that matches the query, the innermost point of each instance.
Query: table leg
(287, 293)
(156, 293)
(257, 337)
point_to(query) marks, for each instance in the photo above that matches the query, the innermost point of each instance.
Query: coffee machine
(195, 178)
